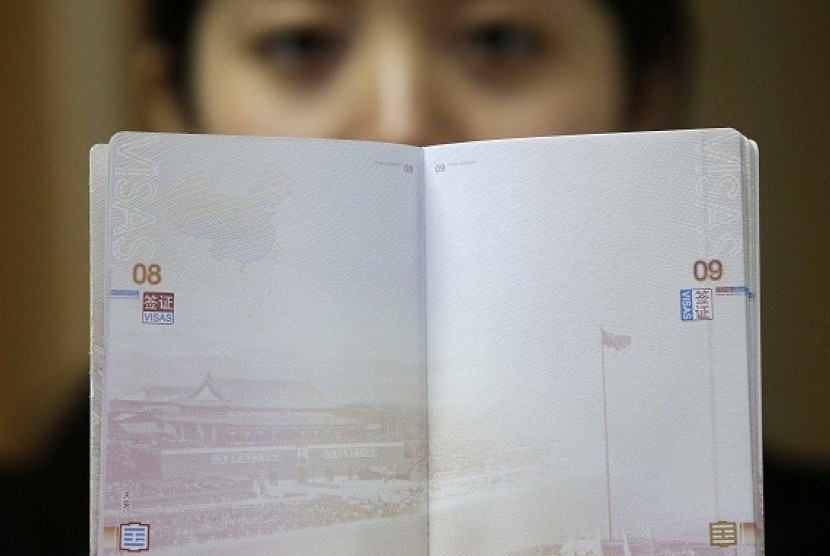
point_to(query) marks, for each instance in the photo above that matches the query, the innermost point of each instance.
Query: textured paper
(575, 318)
(562, 376)
(265, 352)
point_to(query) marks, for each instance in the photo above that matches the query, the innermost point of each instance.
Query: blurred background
(66, 83)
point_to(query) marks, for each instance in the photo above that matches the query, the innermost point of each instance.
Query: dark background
(65, 83)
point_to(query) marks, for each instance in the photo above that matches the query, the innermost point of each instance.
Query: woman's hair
(656, 35)
(170, 24)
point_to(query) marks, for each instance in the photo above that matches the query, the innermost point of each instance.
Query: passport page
(592, 340)
(264, 379)
(98, 179)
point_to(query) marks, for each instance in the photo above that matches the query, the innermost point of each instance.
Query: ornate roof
(240, 393)
(261, 393)
(160, 394)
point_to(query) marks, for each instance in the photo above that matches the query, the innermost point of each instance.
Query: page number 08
(147, 274)
(708, 270)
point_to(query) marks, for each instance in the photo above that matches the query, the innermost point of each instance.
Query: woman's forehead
(556, 6)
(426, 15)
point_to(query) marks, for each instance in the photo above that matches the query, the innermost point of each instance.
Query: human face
(407, 71)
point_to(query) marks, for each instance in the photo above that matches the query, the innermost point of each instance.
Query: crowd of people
(269, 516)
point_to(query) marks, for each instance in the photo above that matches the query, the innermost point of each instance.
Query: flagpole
(605, 421)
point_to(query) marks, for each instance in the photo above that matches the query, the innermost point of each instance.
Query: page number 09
(147, 274)
(708, 270)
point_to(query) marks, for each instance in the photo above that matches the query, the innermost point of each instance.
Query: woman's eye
(300, 49)
(502, 42)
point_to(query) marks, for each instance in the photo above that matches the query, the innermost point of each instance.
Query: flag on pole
(615, 341)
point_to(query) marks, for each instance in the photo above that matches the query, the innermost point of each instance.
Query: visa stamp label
(134, 537)
(158, 308)
(696, 304)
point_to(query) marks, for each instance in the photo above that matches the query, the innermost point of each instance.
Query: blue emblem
(134, 537)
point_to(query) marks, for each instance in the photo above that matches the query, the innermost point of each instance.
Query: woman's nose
(402, 98)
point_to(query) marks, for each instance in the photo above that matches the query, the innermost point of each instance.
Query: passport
(523, 346)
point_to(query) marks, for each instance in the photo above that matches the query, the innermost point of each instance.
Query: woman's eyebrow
(252, 11)
(269, 3)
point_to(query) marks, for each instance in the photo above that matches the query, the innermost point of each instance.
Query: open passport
(520, 347)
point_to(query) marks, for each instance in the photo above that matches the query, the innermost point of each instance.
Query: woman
(415, 72)
(418, 72)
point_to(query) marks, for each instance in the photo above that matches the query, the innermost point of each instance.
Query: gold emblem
(723, 533)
